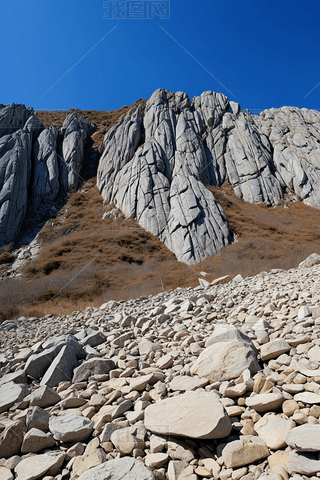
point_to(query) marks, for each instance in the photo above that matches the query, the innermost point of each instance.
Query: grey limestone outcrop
(36, 164)
(158, 161)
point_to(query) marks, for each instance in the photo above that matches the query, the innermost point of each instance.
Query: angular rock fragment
(5, 474)
(94, 366)
(38, 364)
(274, 349)
(35, 440)
(273, 430)
(37, 418)
(248, 449)
(18, 376)
(89, 460)
(44, 396)
(11, 439)
(61, 369)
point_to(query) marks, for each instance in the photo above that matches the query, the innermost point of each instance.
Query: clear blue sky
(266, 52)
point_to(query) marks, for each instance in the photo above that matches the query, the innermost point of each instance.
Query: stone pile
(218, 381)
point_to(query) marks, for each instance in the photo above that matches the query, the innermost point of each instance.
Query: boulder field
(218, 381)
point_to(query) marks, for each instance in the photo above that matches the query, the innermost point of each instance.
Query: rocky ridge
(218, 381)
(156, 163)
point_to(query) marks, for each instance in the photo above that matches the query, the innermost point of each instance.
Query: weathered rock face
(76, 133)
(159, 183)
(13, 117)
(119, 146)
(156, 163)
(36, 164)
(45, 185)
(15, 174)
(295, 134)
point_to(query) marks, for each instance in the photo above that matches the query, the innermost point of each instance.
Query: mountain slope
(79, 258)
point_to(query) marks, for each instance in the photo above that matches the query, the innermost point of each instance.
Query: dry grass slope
(85, 260)
(267, 237)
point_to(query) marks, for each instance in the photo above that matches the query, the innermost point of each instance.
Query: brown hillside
(85, 260)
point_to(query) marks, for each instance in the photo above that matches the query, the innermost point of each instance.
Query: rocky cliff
(37, 164)
(157, 161)
(156, 164)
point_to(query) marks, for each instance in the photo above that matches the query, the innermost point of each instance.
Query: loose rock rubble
(221, 381)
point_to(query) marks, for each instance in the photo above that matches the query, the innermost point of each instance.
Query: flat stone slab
(307, 397)
(126, 468)
(274, 349)
(264, 402)
(70, 428)
(36, 466)
(305, 438)
(193, 414)
(185, 383)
